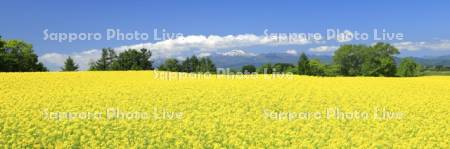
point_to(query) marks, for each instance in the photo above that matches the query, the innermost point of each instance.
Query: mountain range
(238, 58)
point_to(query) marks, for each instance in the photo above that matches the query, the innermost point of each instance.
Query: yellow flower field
(138, 109)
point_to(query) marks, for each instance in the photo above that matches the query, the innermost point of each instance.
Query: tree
(282, 67)
(17, 55)
(194, 64)
(1, 42)
(376, 60)
(266, 69)
(438, 67)
(133, 59)
(248, 69)
(186, 65)
(106, 60)
(3, 61)
(303, 64)
(349, 59)
(408, 68)
(171, 64)
(331, 70)
(144, 59)
(316, 68)
(293, 70)
(191, 64)
(206, 65)
(379, 60)
(69, 65)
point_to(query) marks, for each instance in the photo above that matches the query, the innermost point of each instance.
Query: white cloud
(180, 58)
(56, 60)
(175, 47)
(204, 54)
(237, 53)
(210, 43)
(324, 49)
(440, 45)
(291, 52)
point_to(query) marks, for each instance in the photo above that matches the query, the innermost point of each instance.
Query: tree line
(190, 64)
(348, 60)
(130, 59)
(133, 59)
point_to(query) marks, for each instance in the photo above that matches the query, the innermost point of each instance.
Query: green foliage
(130, 59)
(355, 60)
(18, 56)
(293, 70)
(69, 65)
(434, 70)
(194, 64)
(190, 64)
(316, 68)
(265, 69)
(379, 60)
(310, 67)
(439, 67)
(350, 58)
(1, 42)
(331, 70)
(171, 64)
(248, 69)
(106, 60)
(435, 73)
(282, 67)
(303, 65)
(408, 68)
(206, 65)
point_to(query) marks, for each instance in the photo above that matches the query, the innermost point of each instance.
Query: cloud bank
(324, 49)
(176, 47)
(291, 52)
(440, 45)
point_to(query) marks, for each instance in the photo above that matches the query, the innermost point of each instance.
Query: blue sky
(424, 24)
